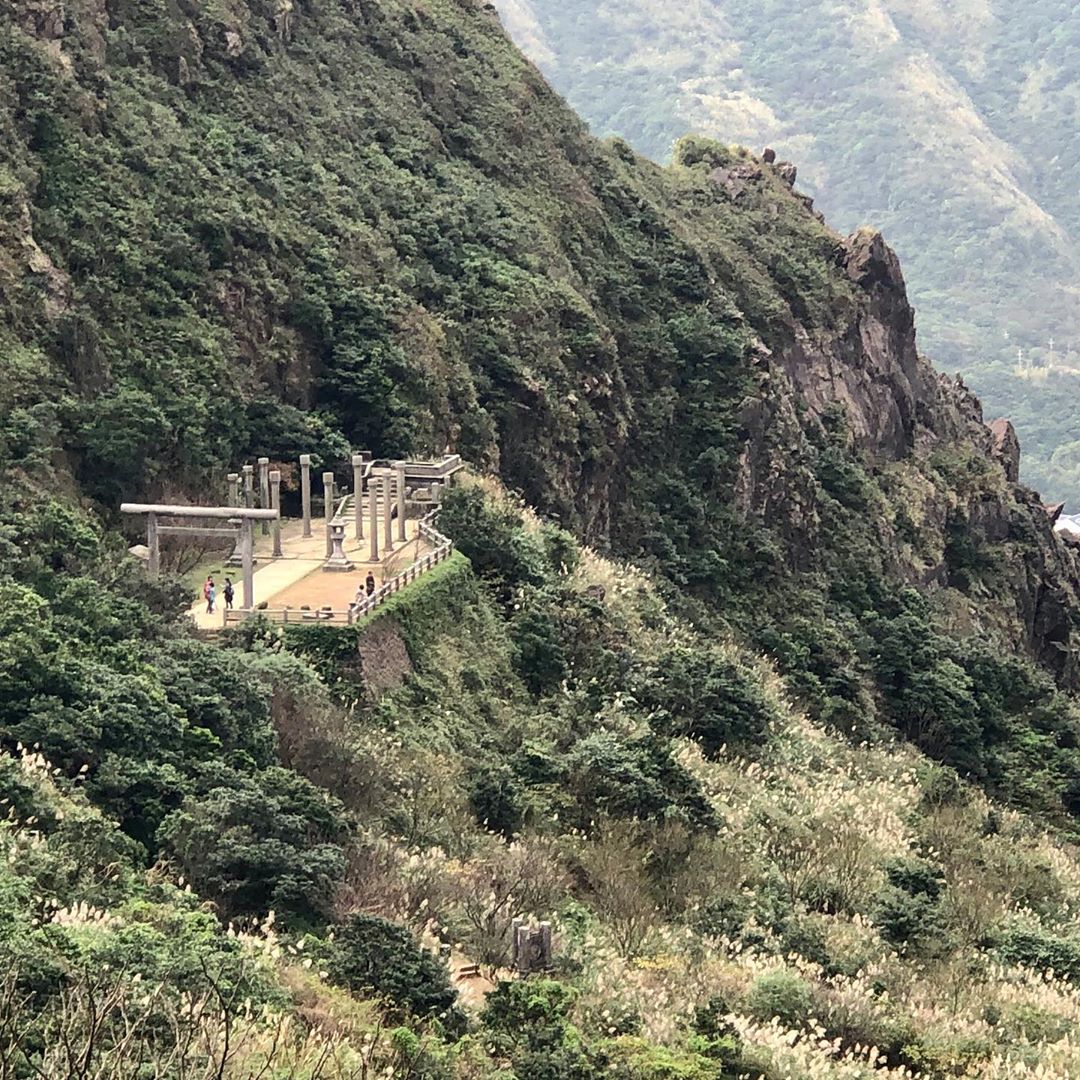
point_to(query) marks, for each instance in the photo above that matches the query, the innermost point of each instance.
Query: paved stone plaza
(297, 580)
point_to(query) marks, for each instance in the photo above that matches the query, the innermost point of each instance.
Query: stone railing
(289, 616)
(441, 548)
(344, 504)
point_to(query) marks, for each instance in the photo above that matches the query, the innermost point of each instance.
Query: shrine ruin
(374, 536)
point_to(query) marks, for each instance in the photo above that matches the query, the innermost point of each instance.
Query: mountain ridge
(950, 133)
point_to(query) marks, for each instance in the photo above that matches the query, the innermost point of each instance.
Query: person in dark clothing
(228, 592)
(370, 584)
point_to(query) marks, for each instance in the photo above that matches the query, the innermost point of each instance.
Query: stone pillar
(275, 504)
(264, 490)
(373, 495)
(234, 558)
(249, 486)
(399, 468)
(358, 488)
(521, 949)
(436, 492)
(328, 507)
(545, 945)
(153, 562)
(388, 511)
(247, 549)
(305, 490)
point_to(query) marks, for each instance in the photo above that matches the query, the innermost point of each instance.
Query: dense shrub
(928, 694)
(530, 1023)
(541, 657)
(491, 536)
(779, 994)
(633, 778)
(371, 955)
(496, 799)
(705, 696)
(259, 842)
(1042, 951)
(907, 909)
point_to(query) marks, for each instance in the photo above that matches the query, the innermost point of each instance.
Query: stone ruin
(532, 947)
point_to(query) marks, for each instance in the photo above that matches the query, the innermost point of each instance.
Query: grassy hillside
(952, 128)
(735, 889)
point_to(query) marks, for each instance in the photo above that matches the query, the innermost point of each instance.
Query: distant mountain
(953, 127)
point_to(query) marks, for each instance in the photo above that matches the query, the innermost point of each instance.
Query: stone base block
(339, 567)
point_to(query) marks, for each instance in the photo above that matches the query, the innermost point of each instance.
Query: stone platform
(297, 578)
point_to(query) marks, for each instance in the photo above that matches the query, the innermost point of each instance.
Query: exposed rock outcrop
(1006, 447)
(735, 178)
(873, 368)
(787, 172)
(900, 412)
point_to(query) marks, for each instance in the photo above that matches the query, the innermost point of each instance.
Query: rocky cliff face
(903, 416)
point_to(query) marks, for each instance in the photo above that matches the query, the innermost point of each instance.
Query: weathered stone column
(247, 548)
(328, 508)
(358, 488)
(235, 557)
(249, 486)
(153, 561)
(264, 490)
(275, 504)
(399, 468)
(305, 490)
(436, 491)
(521, 948)
(373, 495)
(388, 511)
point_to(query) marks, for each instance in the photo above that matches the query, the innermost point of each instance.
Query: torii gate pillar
(153, 564)
(247, 554)
(229, 514)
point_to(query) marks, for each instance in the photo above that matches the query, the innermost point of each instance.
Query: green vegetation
(774, 904)
(956, 135)
(796, 784)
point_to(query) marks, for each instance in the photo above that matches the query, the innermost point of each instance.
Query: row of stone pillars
(386, 487)
(269, 499)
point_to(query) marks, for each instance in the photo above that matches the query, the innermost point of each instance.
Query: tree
(371, 955)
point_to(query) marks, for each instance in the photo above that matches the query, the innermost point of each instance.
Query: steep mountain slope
(951, 127)
(253, 231)
(735, 890)
(244, 229)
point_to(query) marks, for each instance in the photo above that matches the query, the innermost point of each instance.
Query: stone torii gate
(245, 516)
